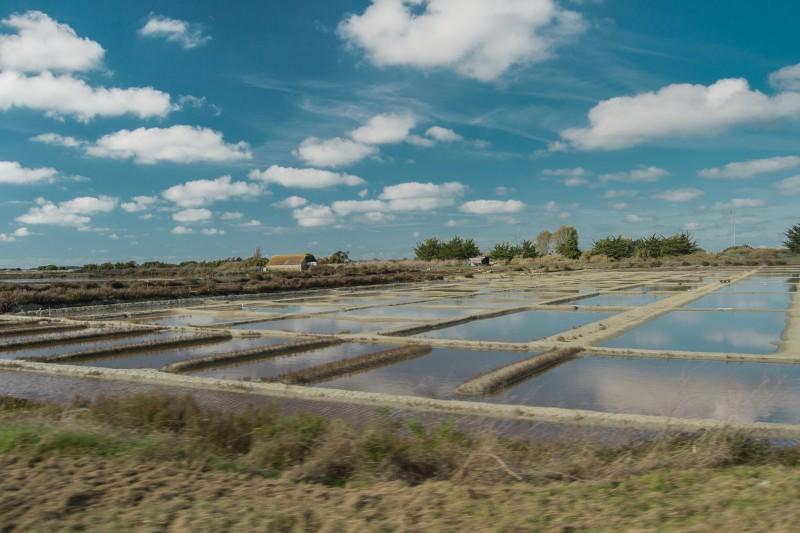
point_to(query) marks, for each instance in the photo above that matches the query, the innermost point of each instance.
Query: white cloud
(42, 44)
(313, 216)
(787, 78)
(551, 207)
(620, 193)
(139, 204)
(492, 207)
(635, 219)
(18, 234)
(376, 217)
(176, 144)
(252, 223)
(73, 213)
(638, 175)
(348, 207)
(476, 38)
(189, 216)
(423, 142)
(292, 202)
(573, 177)
(59, 95)
(679, 195)
(619, 206)
(753, 167)
(503, 191)
(232, 215)
(304, 178)
(679, 110)
(444, 135)
(333, 152)
(692, 226)
(790, 186)
(181, 230)
(198, 193)
(416, 196)
(212, 231)
(13, 173)
(738, 203)
(387, 128)
(56, 139)
(187, 34)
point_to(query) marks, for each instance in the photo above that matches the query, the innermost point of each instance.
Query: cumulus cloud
(475, 38)
(11, 172)
(190, 216)
(416, 196)
(637, 175)
(790, 186)
(444, 135)
(348, 207)
(198, 193)
(17, 234)
(387, 128)
(619, 206)
(679, 110)
(635, 219)
(572, 177)
(292, 202)
(232, 215)
(181, 230)
(620, 193)
(305, 178)
(40, 43)
(139, 204)
(492, 207)
(314, 216)
(753, 167)
(64, 95)
(73, 213)
(212, 231)
(333, 152)
(56, 139)
(787, 78)
(176, 144)
(738, 203)
(679, 195)
(186, 34)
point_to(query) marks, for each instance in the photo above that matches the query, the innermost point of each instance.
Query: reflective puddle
(517, 327)
(620, 299)
(735, 300)
(161, 358)
(736, 392)
(707, 331)
(319, 325)
(56, 349)
(415, 312)
(435, 375)
(275, 366)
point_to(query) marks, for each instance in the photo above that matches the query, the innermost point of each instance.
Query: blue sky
(177, 130)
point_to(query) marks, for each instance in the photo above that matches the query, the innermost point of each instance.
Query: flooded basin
(318, 325)
(405, 311)
(99, 344)
(762, 284)
(735, 392)
(707, 331)
(161, 358)
(733, 300)
(192, 319)
(618, 300)
(435, 375)
(517, 327)
(287, 309)
(275, 366)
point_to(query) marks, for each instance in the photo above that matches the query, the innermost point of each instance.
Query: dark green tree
(568, 242)
(793, 239)
(527, 250)
(504, 251)
(429, 249)
(339, 257)
(618, 247)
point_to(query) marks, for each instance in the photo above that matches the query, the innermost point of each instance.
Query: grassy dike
(151, 463)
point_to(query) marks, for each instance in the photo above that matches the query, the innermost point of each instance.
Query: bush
(793, 239)
(456, 248)
(616, 248)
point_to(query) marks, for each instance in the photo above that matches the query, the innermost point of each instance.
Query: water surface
(319, 325)
(99, 344)
(734, 300)
(517, 327)
(618, 299)
(707, 331)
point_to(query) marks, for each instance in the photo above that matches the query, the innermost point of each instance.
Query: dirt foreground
(86, 493)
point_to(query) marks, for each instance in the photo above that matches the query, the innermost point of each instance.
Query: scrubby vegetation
(505, 251)
(793, 239)
(654, 246)
(158, 461)
(456, 248)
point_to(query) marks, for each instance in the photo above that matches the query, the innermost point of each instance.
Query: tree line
(563, 242)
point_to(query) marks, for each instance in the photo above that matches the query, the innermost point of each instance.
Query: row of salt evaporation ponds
(706, 389)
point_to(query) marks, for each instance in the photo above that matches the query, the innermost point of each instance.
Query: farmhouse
(291, 262)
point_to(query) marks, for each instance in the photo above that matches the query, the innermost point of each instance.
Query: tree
(504, 251)
(567, 242)
(429, 249)
(339, 257)
(527, 250)
(679, 244)
(618, 247)
(651, 246)
(793, 239)
(543, 242)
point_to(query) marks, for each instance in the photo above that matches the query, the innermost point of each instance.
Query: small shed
(291, 262)
(481, 260)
